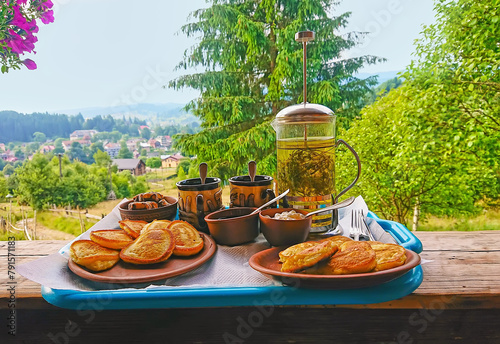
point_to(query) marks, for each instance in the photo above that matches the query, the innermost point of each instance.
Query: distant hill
(382, 76)
(168, 113)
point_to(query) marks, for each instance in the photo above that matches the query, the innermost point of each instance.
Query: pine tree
(253, 69)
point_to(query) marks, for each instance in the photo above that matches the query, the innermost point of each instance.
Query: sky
(120, 52)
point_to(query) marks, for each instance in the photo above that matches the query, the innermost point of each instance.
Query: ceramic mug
(196, 200)
(245, 193)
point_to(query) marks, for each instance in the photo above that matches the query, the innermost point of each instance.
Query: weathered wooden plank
(460, 241)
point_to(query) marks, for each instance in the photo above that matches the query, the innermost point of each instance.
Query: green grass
(6, 235)
(63, 224)
(488, 220)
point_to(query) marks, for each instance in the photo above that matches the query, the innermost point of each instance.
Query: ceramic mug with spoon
(251, 190)
(199, 197)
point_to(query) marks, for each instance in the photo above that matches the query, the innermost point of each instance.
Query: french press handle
(340, 141)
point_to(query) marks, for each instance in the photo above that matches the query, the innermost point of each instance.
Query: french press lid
(305, 112)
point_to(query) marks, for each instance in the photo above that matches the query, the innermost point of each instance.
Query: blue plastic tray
(186, 297)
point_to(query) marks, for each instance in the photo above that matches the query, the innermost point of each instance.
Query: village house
(136, 166)
(171, 160)
(47, 148)
(2, 147)
(132, 144)
(144, 145)
(112, 149)
(154, 143)
(165, 141)
(81, 134)
(84, 142)
(8, 156)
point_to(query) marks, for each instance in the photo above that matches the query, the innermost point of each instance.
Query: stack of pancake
(340, 256)
(137, 242)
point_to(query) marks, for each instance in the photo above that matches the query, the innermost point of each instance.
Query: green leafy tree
(102, 159)
(253, 69)
(121, 184)
(146, 133)
(58, 146)
(3, 186)
(8, 170)
(431, 145)
(181, 174)
(458, 72)
(39, 137)
(139, 186)
(79, 187)
(382, 89)
(184, 165)
(96, 146)
(18, 153)
(32, 147)
(124, 152)
(153, 162)
(36, 182)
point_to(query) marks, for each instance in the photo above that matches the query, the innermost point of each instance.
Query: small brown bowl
(233, 226)
(162, 213)
(284, 232)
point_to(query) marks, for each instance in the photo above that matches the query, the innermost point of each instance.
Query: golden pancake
(92, 255)
(152, 246)
(309, 257)
(111, 238)
(157, 224)
(388, 255)
(338, 239)
(285, 254)
(132, 228)
(188, 241)
(353, 257)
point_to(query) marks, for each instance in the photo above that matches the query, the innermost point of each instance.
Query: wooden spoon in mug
(203, 172)
(252, 170)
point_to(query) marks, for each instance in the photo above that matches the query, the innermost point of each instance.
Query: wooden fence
(6, 224)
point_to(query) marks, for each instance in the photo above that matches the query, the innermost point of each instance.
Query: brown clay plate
(267, 263)
(130, 273)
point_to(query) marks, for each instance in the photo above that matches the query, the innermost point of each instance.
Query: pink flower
(19, 33)
(18, 19)
(45, 5)
(47, 17)
(30, 64)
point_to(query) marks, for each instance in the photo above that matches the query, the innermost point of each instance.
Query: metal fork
(364, 227)
(357, 226)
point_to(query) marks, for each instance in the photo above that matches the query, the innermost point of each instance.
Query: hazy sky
(115, 52)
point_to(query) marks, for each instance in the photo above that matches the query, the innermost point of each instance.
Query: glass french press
(305, 140)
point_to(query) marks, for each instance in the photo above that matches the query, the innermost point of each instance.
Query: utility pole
(59, 155)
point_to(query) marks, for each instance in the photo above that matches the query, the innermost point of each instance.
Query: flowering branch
(18, 28)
